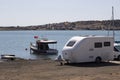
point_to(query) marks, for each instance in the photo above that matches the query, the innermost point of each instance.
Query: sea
(18, 42)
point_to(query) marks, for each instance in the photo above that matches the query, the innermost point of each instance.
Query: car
(117, 51)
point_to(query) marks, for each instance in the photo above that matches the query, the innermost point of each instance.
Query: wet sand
(51, 70)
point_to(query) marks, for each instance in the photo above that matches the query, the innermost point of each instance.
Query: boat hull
(43, 52)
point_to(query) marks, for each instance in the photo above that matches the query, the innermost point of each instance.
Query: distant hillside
(78, 25)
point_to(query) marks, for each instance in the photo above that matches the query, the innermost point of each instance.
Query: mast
(113, 22)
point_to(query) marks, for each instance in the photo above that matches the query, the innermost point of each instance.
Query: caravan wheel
(98, 59)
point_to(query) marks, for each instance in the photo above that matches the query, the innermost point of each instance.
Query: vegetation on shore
(78, 25)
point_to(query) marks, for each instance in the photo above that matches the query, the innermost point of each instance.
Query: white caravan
(88, 49)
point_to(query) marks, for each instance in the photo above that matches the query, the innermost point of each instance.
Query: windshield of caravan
(71, 43)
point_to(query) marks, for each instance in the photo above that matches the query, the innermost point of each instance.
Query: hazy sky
(37, 12)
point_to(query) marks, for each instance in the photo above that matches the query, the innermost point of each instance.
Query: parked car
(117, 51)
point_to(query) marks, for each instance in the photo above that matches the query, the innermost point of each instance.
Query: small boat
(118, 42)
(8, 57)
(42, 47)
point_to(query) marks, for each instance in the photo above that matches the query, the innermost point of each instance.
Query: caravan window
(71, 43)
(106, 44)
(98, 45)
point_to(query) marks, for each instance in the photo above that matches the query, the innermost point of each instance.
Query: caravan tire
(98, 59)
(118, 58)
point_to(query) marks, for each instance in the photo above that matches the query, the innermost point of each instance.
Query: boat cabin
(42, 47)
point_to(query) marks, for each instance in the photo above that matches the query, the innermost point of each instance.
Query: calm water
(15, 42)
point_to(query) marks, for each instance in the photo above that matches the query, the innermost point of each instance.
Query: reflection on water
(46, 57)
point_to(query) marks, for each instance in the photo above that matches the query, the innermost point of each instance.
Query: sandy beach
(51, 70)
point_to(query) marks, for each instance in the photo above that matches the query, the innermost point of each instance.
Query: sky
(39, 12)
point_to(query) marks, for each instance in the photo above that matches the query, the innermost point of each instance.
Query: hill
(78, 25)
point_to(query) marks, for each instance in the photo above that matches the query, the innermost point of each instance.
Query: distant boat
(42, 47)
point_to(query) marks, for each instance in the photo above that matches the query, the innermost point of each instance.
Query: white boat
(8, 56)
(42, 47)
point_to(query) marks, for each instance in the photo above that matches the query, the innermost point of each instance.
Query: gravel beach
(51, 70)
